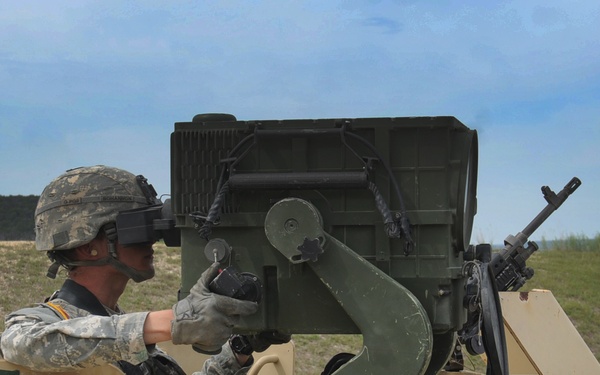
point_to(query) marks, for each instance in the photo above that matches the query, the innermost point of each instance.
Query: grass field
(570, 269)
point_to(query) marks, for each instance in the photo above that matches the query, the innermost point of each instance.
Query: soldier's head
(97, 204)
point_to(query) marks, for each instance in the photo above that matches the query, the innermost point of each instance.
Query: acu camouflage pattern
(38, 338)
(74, 206)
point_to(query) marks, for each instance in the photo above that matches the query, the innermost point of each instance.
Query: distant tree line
(16, 217)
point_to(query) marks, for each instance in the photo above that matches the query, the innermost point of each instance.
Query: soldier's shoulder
(52, 311)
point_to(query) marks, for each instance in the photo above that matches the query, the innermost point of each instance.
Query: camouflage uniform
(60, 336)
(73, 330)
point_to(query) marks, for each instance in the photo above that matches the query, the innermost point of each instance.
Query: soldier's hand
(261, 341)
(206, 319)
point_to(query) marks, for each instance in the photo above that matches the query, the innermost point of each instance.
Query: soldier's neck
(106, 286)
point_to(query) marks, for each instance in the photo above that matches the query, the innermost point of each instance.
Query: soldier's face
(138, 256)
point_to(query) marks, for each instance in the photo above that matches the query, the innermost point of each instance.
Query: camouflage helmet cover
(74, 206)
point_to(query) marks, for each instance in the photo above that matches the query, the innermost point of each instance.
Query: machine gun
(508, 266)
(504, 271)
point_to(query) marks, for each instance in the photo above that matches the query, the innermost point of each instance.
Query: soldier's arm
(38, 339)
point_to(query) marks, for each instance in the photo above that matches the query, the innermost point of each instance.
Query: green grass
(23, 278)
(570, 269)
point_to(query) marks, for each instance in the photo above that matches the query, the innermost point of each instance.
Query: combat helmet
(76, 205)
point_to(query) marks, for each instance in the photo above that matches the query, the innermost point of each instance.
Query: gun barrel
(554, 202)
(537, 221)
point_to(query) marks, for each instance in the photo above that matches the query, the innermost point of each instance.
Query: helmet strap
(53, 269)
(58, 259)
(132, 273)
(137, 276)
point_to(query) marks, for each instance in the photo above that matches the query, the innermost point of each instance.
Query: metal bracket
(396, 331)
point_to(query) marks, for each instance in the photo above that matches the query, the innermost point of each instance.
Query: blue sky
(102, 82)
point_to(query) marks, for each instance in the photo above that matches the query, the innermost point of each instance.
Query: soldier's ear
(90, 251)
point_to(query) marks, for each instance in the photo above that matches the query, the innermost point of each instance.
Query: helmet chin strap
(138, 276)
(132, 273)
(112, 259)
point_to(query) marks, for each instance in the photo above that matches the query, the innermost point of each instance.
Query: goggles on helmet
(148, 224)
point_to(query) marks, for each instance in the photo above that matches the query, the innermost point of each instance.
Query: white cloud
(103, 81)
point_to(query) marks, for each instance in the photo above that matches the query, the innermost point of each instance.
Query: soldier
(81, 325)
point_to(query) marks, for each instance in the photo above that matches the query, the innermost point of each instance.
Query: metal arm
(395, 327)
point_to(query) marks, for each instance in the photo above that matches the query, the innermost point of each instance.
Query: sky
(103, 82)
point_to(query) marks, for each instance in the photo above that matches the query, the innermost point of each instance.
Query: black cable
(212, 217)
(391, 229)
(403, 219)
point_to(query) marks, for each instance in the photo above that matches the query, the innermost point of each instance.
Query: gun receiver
(508, 266)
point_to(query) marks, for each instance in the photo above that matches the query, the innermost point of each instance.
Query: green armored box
(395, 195)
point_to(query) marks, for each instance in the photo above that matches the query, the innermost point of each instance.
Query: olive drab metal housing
(353, 226)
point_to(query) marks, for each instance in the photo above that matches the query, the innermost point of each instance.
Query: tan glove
(206, 319)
